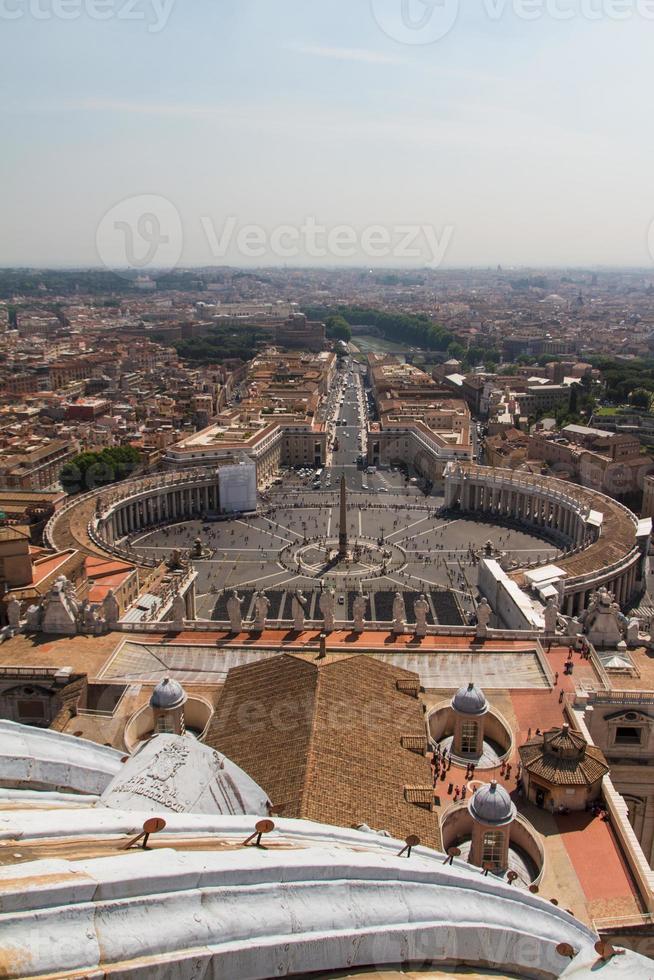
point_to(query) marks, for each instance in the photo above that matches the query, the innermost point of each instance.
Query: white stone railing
(314, 625)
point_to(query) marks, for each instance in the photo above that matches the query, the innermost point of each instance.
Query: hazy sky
(507, 140)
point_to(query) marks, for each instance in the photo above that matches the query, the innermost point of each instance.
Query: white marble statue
(69, 591)
(603, 620)
(299, 609)
(327, 607)
(399, 613)
(91, 619)
(33, 617)
(261, 609)
(421, 611)
(574, 627)
(633, 632)
(484, 613)
(359, 609)
(110, 609)
(178, 610)
(551, 616)
(13, 613)
(60, 610)
(234, 611)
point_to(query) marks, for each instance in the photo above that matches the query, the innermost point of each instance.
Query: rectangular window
(625, 735)
(492, 848)
(31, 710)
(469, 736)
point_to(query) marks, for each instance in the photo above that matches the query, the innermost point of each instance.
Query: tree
(91, 469)
(415, 330)
(456, 350)
(640, 398)
(338, 329)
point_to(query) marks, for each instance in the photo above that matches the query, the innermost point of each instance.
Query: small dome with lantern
(470, 700)
(168, 694)
(491, 804)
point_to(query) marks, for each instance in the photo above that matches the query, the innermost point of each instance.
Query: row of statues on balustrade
(60, 611)
(327, 605)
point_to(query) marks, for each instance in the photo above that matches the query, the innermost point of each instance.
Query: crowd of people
(400, 544)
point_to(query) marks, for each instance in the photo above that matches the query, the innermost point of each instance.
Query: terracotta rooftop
(563, 758)
(325, 741)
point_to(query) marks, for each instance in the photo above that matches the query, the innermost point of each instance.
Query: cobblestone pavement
(433, 552)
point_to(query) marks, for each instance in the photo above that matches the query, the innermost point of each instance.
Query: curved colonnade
(98, 521)
(606, 544)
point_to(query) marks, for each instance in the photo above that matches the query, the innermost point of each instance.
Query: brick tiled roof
(563, 758)
(325, 741)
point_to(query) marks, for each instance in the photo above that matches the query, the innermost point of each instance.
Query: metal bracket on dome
(565, 949)
(411, 841)
(261, 828)
(152, 826)
(512, 876)
(452, 852)
(606, 951)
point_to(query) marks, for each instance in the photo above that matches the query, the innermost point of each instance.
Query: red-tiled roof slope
(324, 739)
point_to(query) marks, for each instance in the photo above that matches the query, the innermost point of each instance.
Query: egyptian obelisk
(342, 528)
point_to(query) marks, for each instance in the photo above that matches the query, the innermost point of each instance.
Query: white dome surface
(322, 899)
(173, 773)
(168, 693)
(40, 759)
(470, 700)
(492, 804)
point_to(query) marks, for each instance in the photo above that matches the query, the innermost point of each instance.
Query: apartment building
(37, 468)
(610, 462)
(420, 422)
